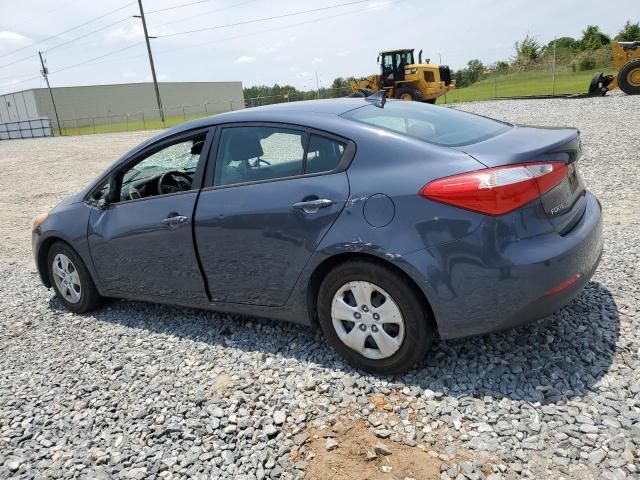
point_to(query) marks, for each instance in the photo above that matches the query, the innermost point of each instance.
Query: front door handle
(175, 220)
(312, 206)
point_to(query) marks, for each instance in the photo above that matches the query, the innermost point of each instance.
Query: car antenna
(378, 99)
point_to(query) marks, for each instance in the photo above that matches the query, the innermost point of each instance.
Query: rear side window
(323, 154)
(442, 126)
(251, 154)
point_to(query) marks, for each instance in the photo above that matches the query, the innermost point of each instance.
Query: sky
(228, 45)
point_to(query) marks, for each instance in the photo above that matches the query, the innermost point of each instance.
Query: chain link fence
(174, 115)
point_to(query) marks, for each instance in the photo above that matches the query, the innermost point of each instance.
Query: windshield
(439, 125)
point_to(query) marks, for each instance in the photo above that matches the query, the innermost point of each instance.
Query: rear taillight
(496, 191)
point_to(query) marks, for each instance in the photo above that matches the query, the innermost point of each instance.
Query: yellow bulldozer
(626, 57)
(403, 78)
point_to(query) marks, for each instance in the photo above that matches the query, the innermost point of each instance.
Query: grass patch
(521, 84)
(87, 127)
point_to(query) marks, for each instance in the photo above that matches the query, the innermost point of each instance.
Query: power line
(264, 19)
(96, 58)
(67, 42)
(87, 34)
(177, 6)
(59, 7)
(68, 67)
(19, 60)
(208, 12)
(68, 30)
(259, 32)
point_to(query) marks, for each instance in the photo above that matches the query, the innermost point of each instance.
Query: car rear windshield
(442, 126)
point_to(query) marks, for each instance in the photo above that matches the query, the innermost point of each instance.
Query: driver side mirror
(108, 198)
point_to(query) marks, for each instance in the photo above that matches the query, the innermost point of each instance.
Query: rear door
(274, 193)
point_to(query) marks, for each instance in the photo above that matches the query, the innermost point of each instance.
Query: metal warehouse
(100, 104)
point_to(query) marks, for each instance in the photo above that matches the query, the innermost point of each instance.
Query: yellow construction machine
(626, 57)
(403, 78)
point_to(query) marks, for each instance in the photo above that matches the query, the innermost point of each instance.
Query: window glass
(250, 154)
(169, 170)
(323, 154)
(439, 125)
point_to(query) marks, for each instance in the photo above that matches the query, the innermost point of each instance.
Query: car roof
(280, 112)
(310, 113)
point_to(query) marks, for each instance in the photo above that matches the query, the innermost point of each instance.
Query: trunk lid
(565, 203)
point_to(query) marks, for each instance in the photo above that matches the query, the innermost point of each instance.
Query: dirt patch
(357, 457)
(349, 460)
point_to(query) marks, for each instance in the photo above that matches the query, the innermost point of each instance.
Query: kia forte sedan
(386, 224)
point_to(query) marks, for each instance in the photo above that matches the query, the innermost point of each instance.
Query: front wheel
(374, 318)
(71, 280)
(629, 78)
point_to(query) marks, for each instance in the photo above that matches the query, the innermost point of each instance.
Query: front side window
(439, 125)
(169, 170)
(251, 154)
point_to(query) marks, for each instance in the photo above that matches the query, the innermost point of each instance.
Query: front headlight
(39, 220)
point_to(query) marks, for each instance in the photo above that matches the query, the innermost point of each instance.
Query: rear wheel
(432, 101)
(373, 318)
(407, 93)
(629, 77)
(71, 280)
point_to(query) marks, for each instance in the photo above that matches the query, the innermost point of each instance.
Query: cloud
(12, 36)
(380, 5)
(128, 33)
(245, 59)
(316, 61)
(344, 53)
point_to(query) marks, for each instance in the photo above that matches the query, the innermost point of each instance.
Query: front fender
(68, 223)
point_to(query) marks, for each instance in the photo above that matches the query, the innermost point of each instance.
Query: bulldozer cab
(392, 65)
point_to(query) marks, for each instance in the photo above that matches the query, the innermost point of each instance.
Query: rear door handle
(312, 206)
(174, 220)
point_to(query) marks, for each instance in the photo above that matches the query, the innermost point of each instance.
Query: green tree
(629, 33)
(527, 51)
(564, 43)
(475, 69)
(593, 38)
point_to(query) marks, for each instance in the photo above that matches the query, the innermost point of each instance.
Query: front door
(276, 193)
(142, 243)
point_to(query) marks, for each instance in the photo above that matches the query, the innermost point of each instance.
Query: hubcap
(634, 77)
(367, 320)
(406, 96)
(66, 278)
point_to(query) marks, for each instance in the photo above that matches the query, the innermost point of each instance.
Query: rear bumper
(486, 282)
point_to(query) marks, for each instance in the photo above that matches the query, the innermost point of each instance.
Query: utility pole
(317, 85)
(45, 73)
(153, 69)
(554, 66)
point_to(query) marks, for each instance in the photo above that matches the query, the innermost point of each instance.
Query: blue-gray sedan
(387, 224)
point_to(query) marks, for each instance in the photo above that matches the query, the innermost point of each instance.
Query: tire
(595, 87)
(629, 77)
(410, 341)
(76, 291)
(432, 101)
(409, 94)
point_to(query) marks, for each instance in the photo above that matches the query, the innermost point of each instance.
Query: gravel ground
(138, 390)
